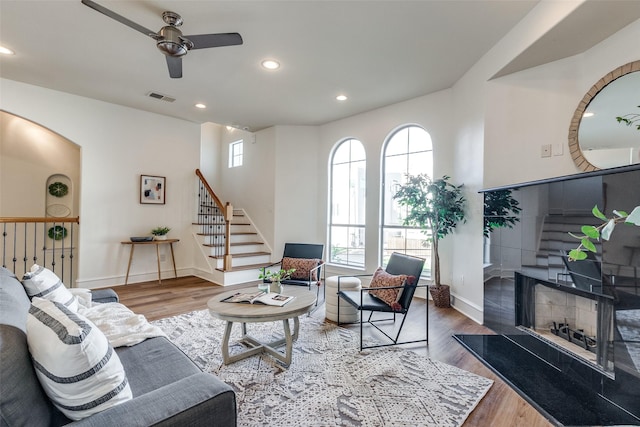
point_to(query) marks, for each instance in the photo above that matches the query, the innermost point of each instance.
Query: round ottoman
(348, 314)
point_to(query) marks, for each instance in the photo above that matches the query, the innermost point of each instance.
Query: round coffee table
(254, 313)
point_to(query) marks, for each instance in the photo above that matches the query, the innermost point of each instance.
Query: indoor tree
(500, 210)
(433, 206)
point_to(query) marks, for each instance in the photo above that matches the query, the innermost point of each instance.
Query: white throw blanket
(121, 326)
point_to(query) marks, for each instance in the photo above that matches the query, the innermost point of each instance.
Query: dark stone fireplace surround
(562, 387)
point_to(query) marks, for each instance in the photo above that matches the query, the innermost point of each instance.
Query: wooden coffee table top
(250, 313)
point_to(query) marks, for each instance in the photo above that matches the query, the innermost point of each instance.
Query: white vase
(163, 237)
(275, 287)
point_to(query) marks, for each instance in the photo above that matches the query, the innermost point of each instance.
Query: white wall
(535, 106)
(117, 145)
(296, 187)
(251, 186)
(29, 155)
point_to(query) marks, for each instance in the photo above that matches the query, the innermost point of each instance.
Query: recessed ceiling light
(588, 115)
(341, 97)
(201, 106)
(6, 51)
(270, 64)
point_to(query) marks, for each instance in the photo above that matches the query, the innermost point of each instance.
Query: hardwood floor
(501, 407)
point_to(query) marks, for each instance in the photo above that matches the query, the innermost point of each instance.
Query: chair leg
(361, 327)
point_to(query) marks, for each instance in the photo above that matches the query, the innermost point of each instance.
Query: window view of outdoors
(347, 217)
(408, 151)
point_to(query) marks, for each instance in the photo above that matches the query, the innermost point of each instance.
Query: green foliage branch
(435, 206)
(591, 233)
(276, 275)
(500, 210)
(630, 119)
(160, 231)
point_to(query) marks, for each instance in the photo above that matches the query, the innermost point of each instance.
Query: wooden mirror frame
(574, 147)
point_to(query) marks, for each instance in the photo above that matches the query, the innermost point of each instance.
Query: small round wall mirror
(597, 138)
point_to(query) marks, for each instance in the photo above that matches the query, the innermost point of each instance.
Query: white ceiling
(376, 52)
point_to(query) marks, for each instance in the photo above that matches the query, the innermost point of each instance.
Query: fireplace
(574, 321)
(557, 332)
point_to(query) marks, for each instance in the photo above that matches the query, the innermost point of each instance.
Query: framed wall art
(152, 189)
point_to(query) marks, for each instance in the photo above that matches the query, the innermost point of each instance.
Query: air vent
(160, 96)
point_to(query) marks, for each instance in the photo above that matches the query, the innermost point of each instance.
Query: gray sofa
(168, 388)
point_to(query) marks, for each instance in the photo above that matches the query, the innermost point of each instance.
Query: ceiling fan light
(171, 43)
(170, 48)
(201, 106)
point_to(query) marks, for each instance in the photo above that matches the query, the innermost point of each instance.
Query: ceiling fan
(170, 40)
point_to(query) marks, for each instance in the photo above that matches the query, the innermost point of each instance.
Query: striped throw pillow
(76, 365)
(43, 283)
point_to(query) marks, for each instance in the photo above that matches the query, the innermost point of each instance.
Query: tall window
(235, 154)
(407, 151)
(347, 201)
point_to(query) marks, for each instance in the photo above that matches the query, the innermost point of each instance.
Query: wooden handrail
(45, 219)
(210, 190)
(227, 211)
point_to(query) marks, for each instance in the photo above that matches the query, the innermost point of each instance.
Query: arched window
(407, 151)
(347, 204)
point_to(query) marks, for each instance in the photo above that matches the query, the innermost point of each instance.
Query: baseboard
(468, 308)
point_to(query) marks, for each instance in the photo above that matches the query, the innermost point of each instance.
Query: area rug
(329, 382)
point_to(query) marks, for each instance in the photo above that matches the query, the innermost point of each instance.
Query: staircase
(234, 250)
(555, 240)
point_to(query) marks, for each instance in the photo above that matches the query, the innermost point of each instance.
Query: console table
(157, 244)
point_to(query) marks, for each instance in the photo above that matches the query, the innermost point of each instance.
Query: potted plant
(436, 207)
(160, 233)
(500, 210)
(274, 278)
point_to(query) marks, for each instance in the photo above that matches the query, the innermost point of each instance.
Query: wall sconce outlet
(546, 150)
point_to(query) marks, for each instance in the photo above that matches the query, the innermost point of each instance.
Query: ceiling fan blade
(175, 67)
(111, 14)
(202, 41)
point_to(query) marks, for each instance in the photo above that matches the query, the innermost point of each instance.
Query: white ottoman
(348, 314)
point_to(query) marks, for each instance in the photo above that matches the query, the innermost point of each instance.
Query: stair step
(247, 267)
(241, 255)
(240, 233)
(209, 245)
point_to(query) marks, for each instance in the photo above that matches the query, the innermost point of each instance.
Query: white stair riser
(242, 261)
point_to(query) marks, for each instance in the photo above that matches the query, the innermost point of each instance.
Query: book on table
(260, 297)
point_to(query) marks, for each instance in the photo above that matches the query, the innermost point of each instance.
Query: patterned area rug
(330, 382)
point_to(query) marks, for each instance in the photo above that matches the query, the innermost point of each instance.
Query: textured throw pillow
(303, 267)
(382, 279)
(76, 365)
(43, 283)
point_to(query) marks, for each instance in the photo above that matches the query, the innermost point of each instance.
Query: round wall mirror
(597, 139)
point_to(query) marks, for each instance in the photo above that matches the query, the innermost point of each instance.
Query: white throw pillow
(76, 365)
(43, 283)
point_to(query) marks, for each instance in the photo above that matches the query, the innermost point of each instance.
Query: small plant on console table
(160, 233)
(436, 207)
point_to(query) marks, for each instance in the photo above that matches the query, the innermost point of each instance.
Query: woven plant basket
(441, 295)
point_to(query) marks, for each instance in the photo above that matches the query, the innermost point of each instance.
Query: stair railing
(46, 241)
(213, 220)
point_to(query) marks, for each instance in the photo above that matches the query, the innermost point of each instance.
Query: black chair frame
(306, 251)
(367, 302)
